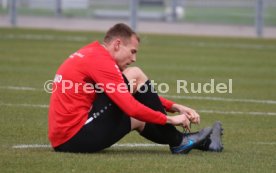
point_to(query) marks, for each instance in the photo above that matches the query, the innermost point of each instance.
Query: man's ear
(117, 43)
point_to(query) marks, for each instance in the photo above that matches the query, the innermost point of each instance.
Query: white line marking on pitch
(221, 99)
(23, 146)
(237, 112)
(44, 37)
(24, 105)
(265, 143)
(201, 111)
(23, 88)
(130, 145)
(193, 43)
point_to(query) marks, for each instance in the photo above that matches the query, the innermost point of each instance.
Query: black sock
(162, 134)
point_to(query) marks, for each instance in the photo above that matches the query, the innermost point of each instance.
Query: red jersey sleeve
(167, 104)
(107, 75)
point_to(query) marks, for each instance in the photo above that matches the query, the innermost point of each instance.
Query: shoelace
(185, 130)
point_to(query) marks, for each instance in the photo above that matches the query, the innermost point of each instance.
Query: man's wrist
(169, 120)
(175, 107)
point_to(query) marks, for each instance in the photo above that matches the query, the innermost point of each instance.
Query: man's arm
(172, 107)
(191, 114)
(167, 104)
(103, 71)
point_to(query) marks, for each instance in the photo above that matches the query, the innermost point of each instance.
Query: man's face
(125, 53)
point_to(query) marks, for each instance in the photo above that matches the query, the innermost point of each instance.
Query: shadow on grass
(136, 151)
(112, 151)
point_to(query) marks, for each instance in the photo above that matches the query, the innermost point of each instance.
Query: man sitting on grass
(91, 119)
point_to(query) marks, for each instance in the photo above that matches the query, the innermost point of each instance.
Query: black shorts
(106, 124)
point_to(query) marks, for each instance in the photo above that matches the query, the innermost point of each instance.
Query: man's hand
(191, 114)
(179, 120)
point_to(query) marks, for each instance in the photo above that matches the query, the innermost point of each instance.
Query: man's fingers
(188, 128)
(186, 124)
(198, 120)
(195, 117)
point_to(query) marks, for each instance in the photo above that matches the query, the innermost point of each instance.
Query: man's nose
(133, 59)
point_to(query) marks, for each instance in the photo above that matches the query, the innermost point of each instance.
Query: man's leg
(106, 125)
(162, 134)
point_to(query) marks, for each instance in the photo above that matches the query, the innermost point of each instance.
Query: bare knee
(135, 76)
(135, 73)
(137, 124)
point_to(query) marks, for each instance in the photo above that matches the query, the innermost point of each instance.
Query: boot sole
(216, 144)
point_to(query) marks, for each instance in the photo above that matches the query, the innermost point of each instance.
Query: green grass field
(28, 58)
